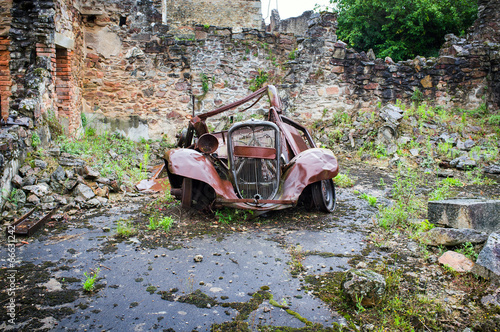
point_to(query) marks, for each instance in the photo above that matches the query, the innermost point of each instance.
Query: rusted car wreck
(257, 165)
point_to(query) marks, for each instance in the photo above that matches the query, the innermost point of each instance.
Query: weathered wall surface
(153, 77)
(117, 61)
(237, 14)
(295, 25)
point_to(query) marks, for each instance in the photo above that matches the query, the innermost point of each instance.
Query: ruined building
(142, 66)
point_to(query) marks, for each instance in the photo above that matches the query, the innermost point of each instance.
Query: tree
(402, 29)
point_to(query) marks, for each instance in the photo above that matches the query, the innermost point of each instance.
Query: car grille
(255, 159)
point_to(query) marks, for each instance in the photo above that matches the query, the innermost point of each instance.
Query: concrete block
(479, 214)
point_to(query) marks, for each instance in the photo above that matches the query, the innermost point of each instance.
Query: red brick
(4, 47)
(371, 86)
(9, 83)
(332, 90)
(4, 41)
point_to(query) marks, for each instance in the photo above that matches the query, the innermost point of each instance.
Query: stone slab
(488, 262)
(479, 214)
(456, 261)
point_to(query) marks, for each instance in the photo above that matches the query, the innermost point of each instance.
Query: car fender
(192, 164)
(307, 167)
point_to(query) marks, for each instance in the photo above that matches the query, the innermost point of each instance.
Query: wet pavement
(142, 288)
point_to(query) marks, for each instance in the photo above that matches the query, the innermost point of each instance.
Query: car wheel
(187, 193)
(323, 194)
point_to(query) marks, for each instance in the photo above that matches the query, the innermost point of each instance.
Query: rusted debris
(25, 226)
(155, 183)
(258, 164)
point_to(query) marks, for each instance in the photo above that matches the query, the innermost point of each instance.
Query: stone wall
(141, 72)
(295, 25)
(236, 14)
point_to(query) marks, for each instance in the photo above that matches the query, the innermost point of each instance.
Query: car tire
(323, 194)
(187, 193)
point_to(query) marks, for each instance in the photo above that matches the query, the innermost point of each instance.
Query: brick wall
(64, 82)
(5, 79)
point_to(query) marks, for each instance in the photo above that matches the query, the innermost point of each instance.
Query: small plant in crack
(90, 279)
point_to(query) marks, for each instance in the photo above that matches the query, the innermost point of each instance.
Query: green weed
(229, 215)
(372, 200)
(166, 223)
(125, 229)
(467, 249)
(35, 140)
(90, 279)
(343, 180)
(258, 81)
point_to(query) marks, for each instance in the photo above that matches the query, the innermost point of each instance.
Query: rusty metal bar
(233, 105)
(26, 227)
(22, 218)
(254, 201)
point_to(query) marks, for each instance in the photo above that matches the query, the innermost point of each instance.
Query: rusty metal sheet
(309, 166)
(192, 164)
(154, 184)
(24, 226)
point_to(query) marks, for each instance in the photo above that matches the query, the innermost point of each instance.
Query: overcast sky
(289, 8)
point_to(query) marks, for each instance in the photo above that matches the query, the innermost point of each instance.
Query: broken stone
(415, 152)
(391, 113)
(56, 186)
(456, 261)
(90, 173)
(198, 258)
(469, 144)
(33, 199)
(463, 162)
(102, 200)
(478, 214)
(492, 169)
(59, 174)
(52, 285)
(492, 301)
(364, 285)
(488, 261)
(113, 154)
(47, 199)
(17, 181)
(54, 152)
(102, 192)
(70, 174)
(40, 163)
(444, 173)
(70, 184)
(29, 181)
(134, 52)
(71, 162)
(93, 203)
(24, 170)
(40, 190)
(49, 206)
(103, 180)
(83, 191)
(452, 236)
(20, 198)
